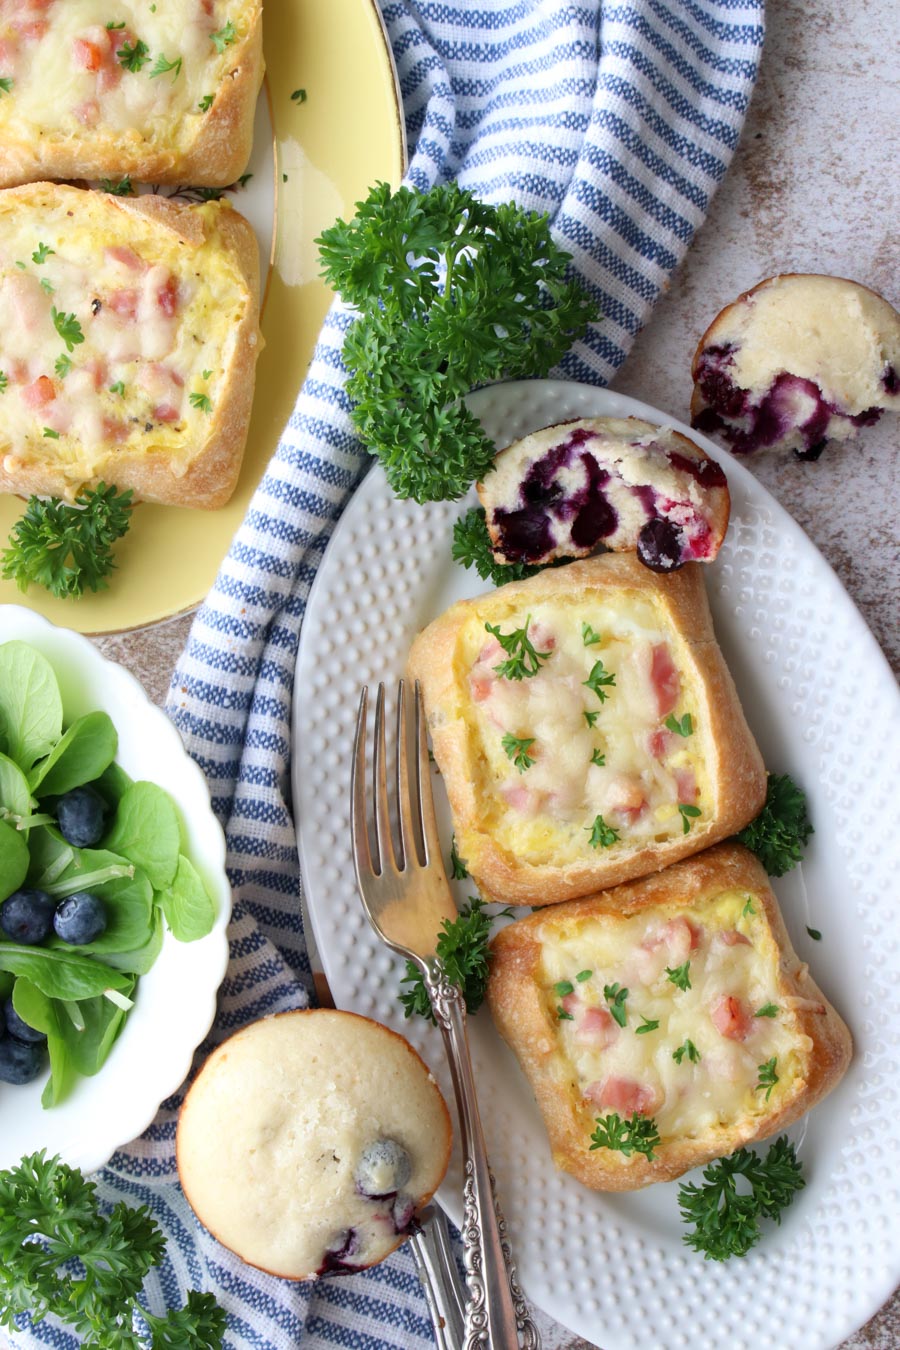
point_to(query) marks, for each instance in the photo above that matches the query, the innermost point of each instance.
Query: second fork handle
(496, 1313)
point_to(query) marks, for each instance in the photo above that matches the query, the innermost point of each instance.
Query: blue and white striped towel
(619, 119)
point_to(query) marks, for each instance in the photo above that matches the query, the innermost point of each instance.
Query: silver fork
(406, 897)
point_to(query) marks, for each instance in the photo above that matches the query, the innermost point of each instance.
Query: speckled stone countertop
(813, 188)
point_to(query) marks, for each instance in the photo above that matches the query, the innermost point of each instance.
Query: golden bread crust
(513, 995)
(736, 771)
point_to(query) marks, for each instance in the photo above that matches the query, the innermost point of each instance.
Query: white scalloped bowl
(176, 1000)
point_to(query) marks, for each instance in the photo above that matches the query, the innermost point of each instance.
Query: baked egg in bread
(586, 727)
(677, 999)
(165, 93)
(128, 342)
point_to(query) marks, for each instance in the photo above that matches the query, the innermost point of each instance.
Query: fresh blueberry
(21, 1030)
(27, 916)
(660, 545)
(81, 816)
(19, 1062)
(402, 1211)
(382, 1169)
(80, 918)
(343, 1245)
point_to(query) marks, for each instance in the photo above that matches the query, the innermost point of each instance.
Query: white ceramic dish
(176, 1000)
(824, 707)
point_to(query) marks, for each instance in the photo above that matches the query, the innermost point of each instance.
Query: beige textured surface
(813, 187)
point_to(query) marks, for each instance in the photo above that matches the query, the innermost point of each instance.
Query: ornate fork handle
(496, 1315)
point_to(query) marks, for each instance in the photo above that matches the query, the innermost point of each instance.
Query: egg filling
(604, 748)
(673, 1017)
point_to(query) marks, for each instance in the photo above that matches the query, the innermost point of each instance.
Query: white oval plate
(176, 1000)
(824, 707)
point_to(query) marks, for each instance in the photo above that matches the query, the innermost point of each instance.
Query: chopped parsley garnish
(47, 286)
(598, 758)
(517, 750)
(748, 907)
(563, 987)
(206, 102)
(21, 266)
(224, 37)
(462, 946)
(583, 975)
(680, 976)
(588, 636)
(767, 1010)
(298, 96)
(121, 189)
(206, 374)
(135, 57)
(637, 1135)
(524, 660)
(62, 366)
(598, 678)
(726, 1220)
(51, 434)
(68, 327)
(615, 996)
(458, 869)
(4, 381)
(687, 813)
(201, 401)
(113, 25)
(591, 717)
(781, 831)
(647, 1024)
(814, 934)
(602, 835)
(683, 728)
(767, 1076)
(689, 1049)
(42, 253)
(163, 67)
(6, 84)
(563, 1015)
(118, 387)
(244, 179)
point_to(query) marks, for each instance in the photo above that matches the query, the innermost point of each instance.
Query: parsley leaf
(224, 37)
(451, 293)
(62, 366)
(599, 677)
(6, 84)
(588, 636)
(66, 548)
(680, 976)
(524, 660)
(135, 57)
(42, 253)
(163, 67)
(813, 932)
(42, 1198)
(602, 835)
(462, 946)
(767, 1076)
(591, 717)
(598, 758)
(687, 813)
(782, 829)
(201, 401)
(767, 1010)
(615, 996)
(637, 1135)
(689, 1049)
(121, 189)
(583, 975)
(458, 869)
(68, 327)
(298, 96)
(118, 387)
(206, 102)
(683, 728)
(647, 1024)
(50, 434)
(726, 1220)
(472, 547)
(4, 381)
(517, 750)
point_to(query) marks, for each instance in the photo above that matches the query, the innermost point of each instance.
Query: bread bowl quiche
(94, 89)
(129, 331)
(308, 1141)
(586, 727)
(677, 1000)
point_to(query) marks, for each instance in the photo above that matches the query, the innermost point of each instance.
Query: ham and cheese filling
(114, 336)
(700, 1037)
(144, 74)
(604, 748)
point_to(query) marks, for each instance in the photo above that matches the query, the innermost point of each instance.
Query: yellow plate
(328, 150)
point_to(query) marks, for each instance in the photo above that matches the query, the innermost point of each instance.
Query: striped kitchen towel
(619, 120)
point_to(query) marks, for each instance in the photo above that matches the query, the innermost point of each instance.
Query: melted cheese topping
(733, 974)
(824, 329)
(156, 319)
(599, 752)
(63, 61)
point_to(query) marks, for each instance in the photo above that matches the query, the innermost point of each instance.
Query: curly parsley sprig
(50, 1216)
(782, 829)
(67, 548)
(726, 1220)
(636, 1135)
(462, 946)
(524, 660)
(451, 293)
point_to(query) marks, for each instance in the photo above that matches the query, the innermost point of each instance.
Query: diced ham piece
(671, 945)
(88, 112)
(686, 786)
(625, 1096)
(39, 394)
(732, 938)
(730, 1018)
(86, 55)
(481, 687)
(523, 799)
(124, 302)
(659, 742)
(115, 430)
(32, 30)
(680, 938)
(597, 1028)
(164, 412)
(665, 679)
(121, 253)
(167, 297)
